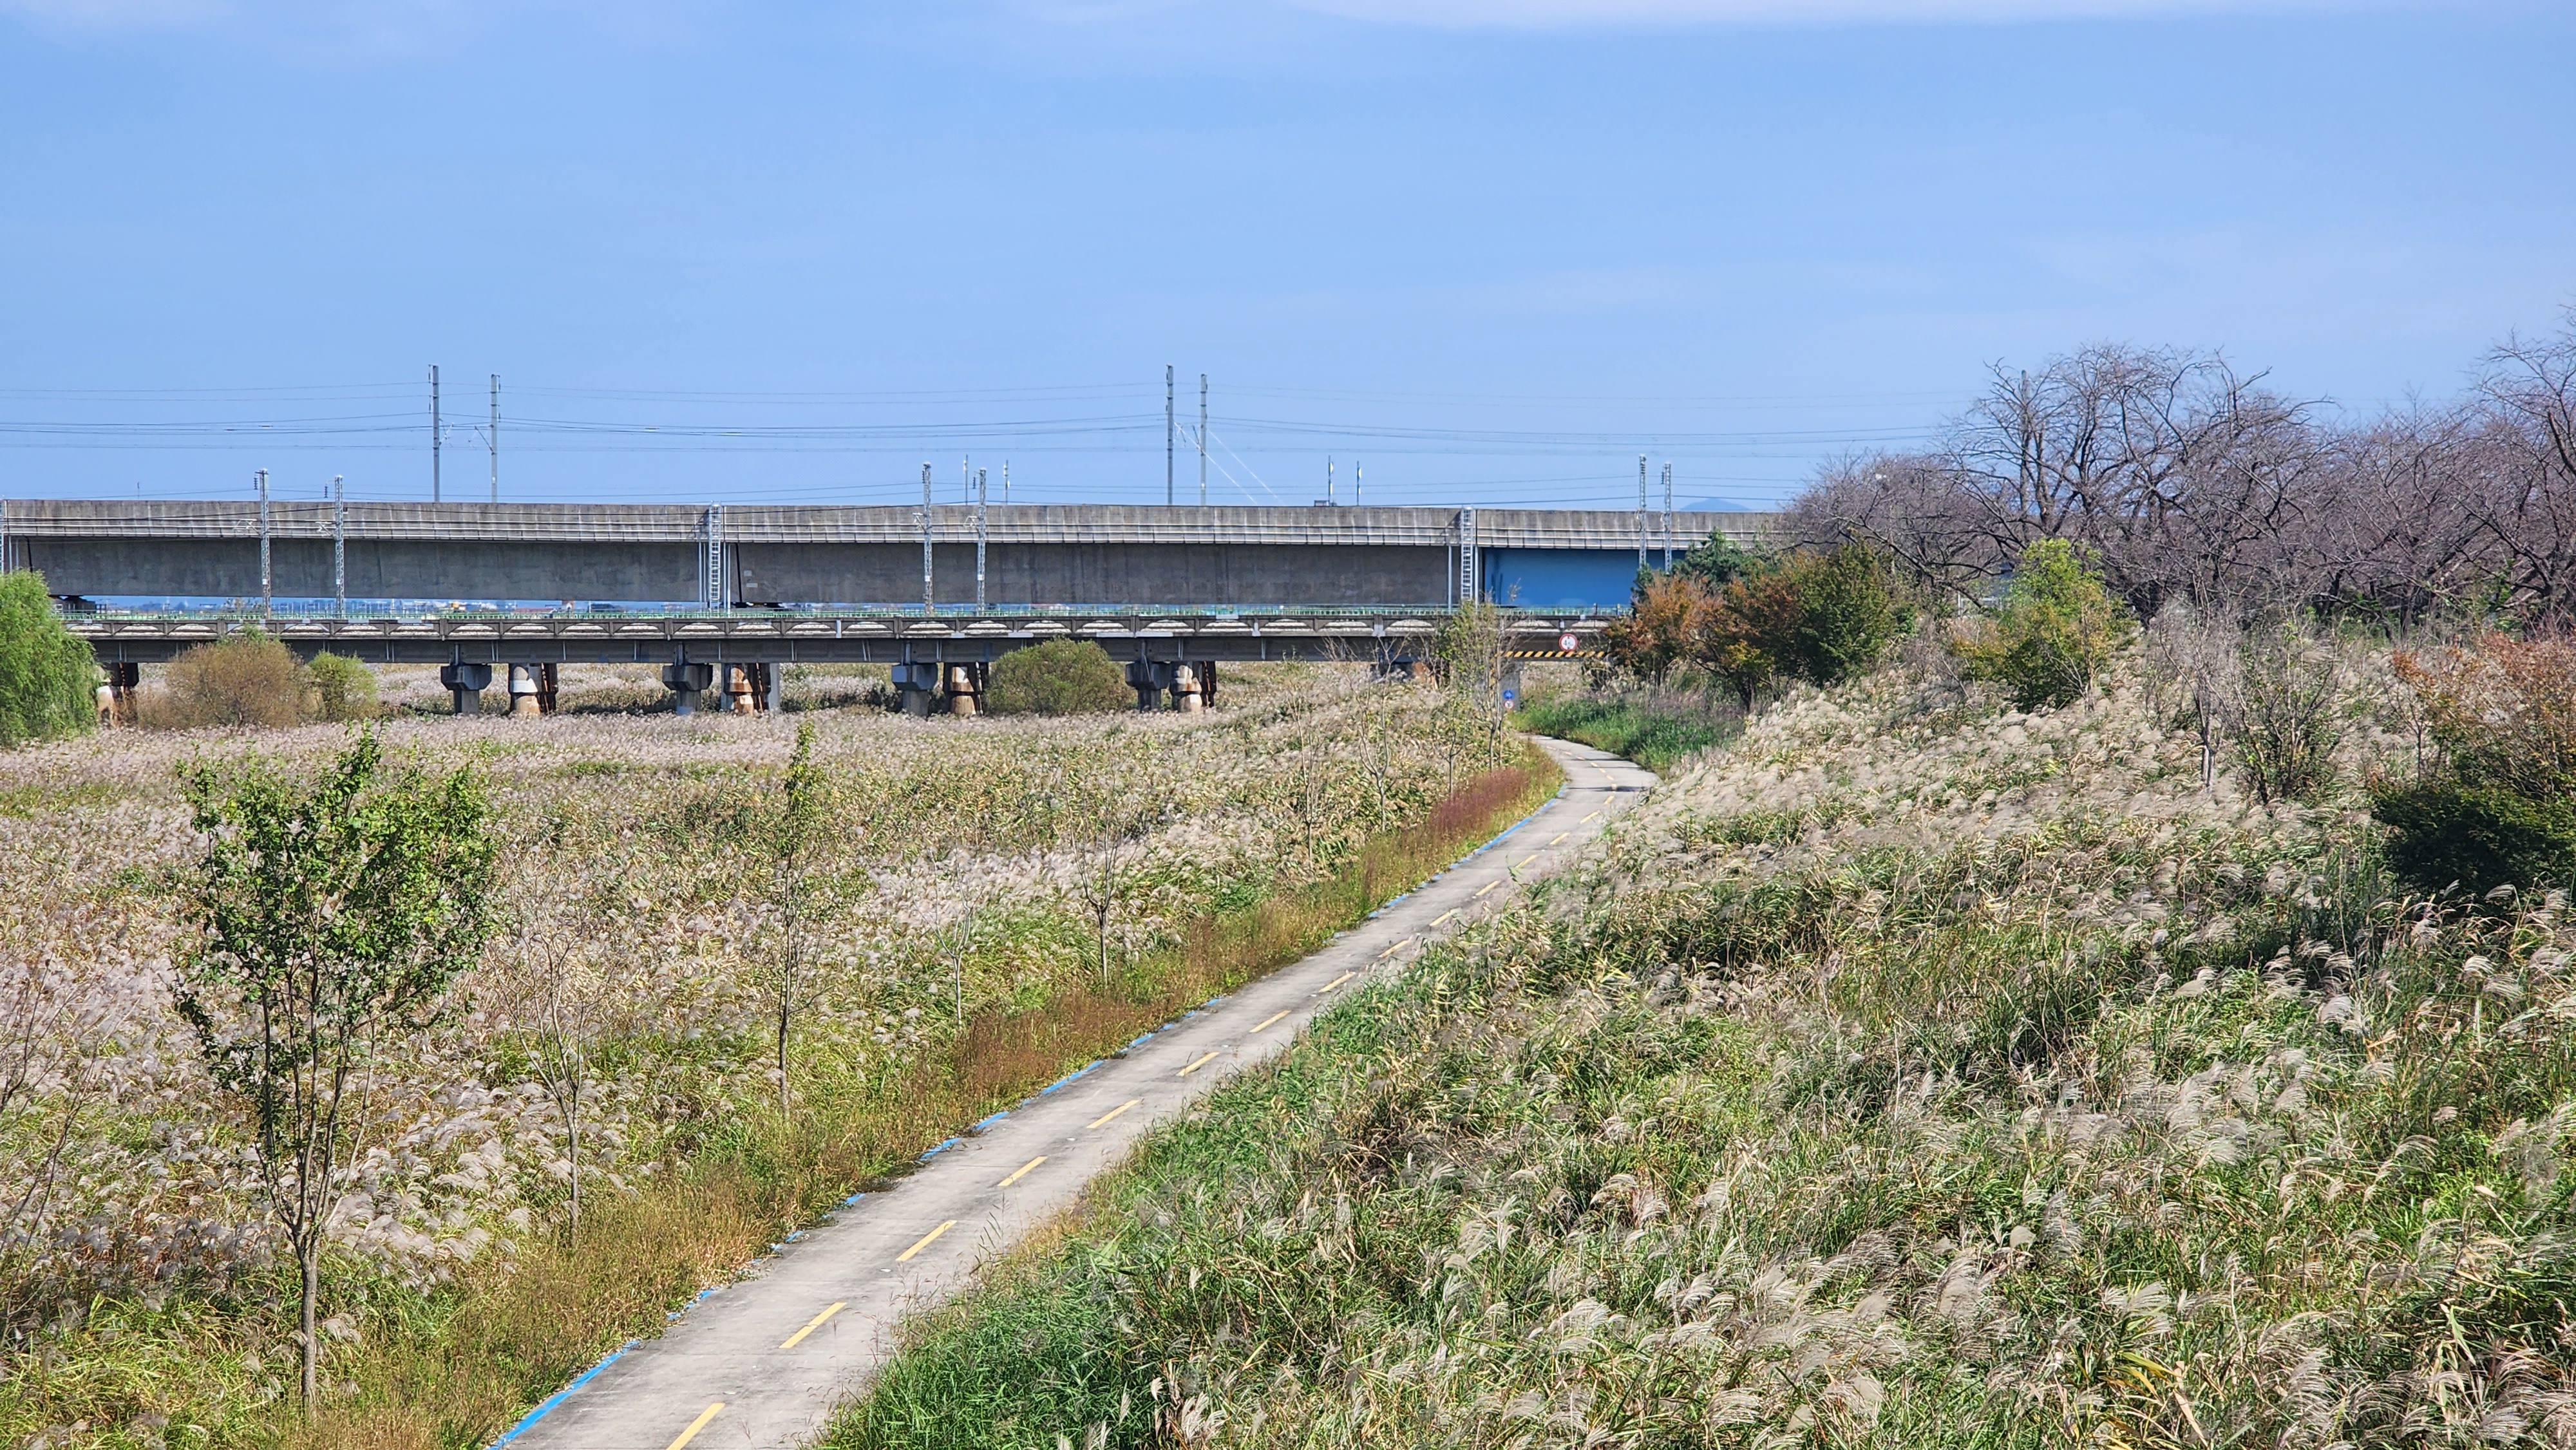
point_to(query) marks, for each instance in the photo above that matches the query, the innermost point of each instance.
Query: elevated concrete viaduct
(1078, 555)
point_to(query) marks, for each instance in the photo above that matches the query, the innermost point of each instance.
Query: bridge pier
(915, 681)
(687, 681)
(465, 685)
(1185, 689)
(965, 689)
(524, 701)
(116, 696)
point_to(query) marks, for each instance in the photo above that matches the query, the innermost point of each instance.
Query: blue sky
(1490, 252)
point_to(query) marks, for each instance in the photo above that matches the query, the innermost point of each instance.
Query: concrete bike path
(763, 1362)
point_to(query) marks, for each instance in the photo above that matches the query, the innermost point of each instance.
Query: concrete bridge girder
(1033, 554)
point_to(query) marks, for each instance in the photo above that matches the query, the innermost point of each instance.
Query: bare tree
(565, 921)
(2529, 506)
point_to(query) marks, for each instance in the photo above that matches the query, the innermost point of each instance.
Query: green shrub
(2055, 631)
(246, 680)
(46, 672)
(343, 689)
(2496, 803)
(2444, 834)
(1060, 677)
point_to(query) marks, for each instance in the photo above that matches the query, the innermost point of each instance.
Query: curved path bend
(764, 1362)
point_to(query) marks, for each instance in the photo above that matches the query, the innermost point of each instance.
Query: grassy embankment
(1656, 736)
(462, 1367)
(1916, 1077)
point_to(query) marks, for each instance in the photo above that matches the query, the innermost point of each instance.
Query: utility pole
(1668, 516)
(1006, 481)
(927, 604)
(1328, 480)
(966, 478)
(1357, 478)
(433, 432)
(1170, 428)
(264, 583)
(979, 541)
(1202, 440)
(1641, 513)
(493, 435)
(340, 544)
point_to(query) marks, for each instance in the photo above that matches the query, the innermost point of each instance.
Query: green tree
(332, 918)
(1718, 561)
(46, 671)
(1059, 677)
(2055, 630)
(343, 689)
(1848, 611)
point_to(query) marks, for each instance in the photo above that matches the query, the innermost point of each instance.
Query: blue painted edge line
(1141, 1041)
(987, 1122)
(559, 1396)
(942, 1148)
(853, 1198)
(1068, 1077)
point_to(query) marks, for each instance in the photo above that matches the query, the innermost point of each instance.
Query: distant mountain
(1714, 506)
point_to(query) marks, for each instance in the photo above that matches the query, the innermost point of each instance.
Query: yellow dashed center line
(1391, 951)
(1444, 916)
(1337, 981)
(1204, 1059)
(1021, 1172)
(1131, 1102)
(697, 1424)
(1488, 886)
(1525, 860)
(924, 1241)
(1561, 835)
(1587, 819)
(813, 1324)
(1273, 1017)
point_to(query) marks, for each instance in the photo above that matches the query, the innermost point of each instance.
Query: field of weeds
(1915, 1072)
(1003, 900)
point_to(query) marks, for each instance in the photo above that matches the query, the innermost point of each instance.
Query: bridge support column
(1185, 689)
(1148, 678)
(773, 687)
(523, 693)
(916, 681)
(740, 696)
(965, 692)
(116, 697)
(1207, 683)
(687, 682)
(465, 685)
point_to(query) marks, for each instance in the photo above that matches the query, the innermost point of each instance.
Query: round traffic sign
(1567, 642)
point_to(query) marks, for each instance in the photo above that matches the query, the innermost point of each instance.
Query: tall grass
(458, 1369)
(1955, 1102)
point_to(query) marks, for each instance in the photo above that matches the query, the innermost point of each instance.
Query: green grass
(1657, 739)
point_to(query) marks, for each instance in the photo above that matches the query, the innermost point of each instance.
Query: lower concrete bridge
(942, 656)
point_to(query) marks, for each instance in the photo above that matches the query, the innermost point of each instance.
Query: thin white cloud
(1572, 14)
